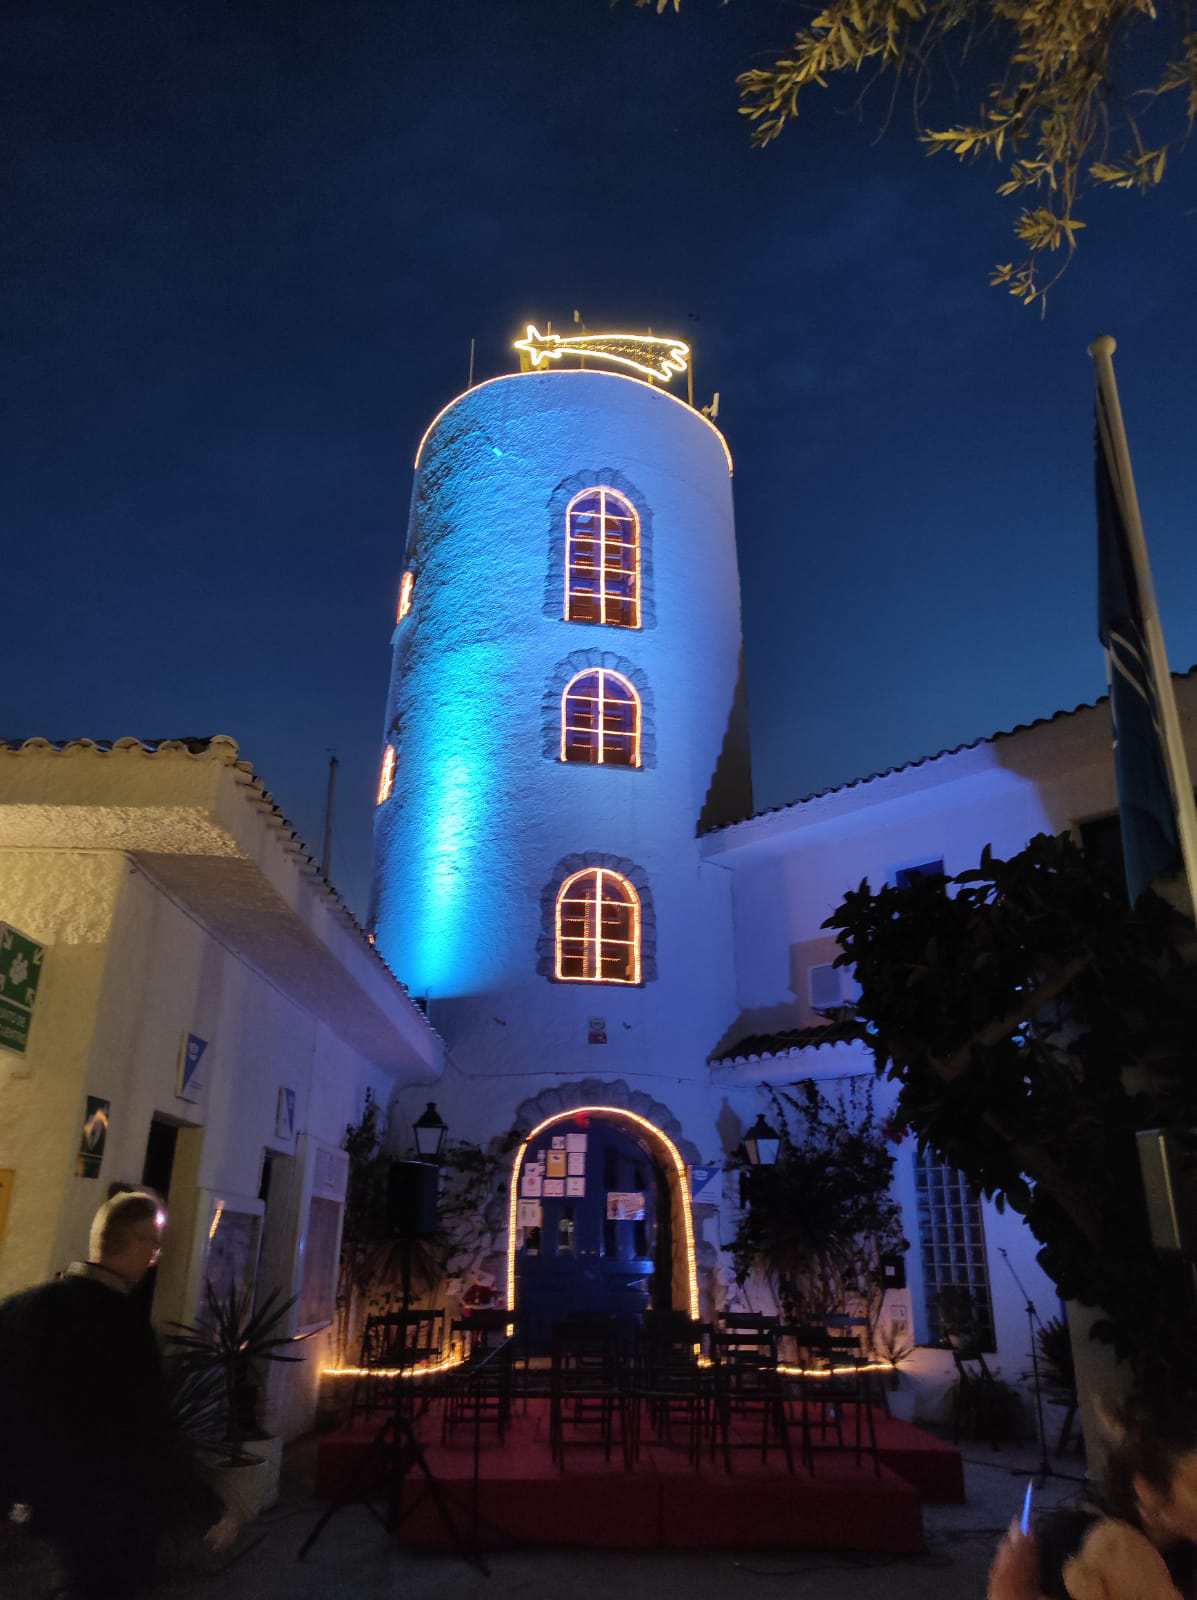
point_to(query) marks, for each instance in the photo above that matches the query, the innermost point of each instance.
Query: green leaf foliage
(821, 1217)
(1069, 77)
(1034, 1022)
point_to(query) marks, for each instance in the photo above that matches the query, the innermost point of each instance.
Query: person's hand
(1014, 1574)
(220, 1535)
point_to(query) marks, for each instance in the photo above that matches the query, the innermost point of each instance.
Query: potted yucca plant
(229, 1341)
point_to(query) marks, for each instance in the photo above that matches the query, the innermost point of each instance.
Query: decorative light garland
(645, 353)
(421, 1370)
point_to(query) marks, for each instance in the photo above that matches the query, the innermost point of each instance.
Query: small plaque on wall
(93, 1137)
(284, 1117)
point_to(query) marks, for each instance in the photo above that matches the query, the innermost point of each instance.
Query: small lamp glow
(429, 1129)
(762, 1143)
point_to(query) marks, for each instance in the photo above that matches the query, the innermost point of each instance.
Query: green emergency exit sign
(20, 974)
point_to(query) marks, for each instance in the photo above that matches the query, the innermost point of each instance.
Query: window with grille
(602, 559)
(600, 720)
(598, 928)
(955, 1267)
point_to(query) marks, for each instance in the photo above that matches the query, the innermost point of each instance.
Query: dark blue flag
(1150, 837)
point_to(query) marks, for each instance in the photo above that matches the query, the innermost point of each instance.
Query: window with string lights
(602, 559)
(386, 776)
(600, 720)
(597, 928)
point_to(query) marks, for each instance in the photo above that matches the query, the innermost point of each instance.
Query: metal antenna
(328, 815)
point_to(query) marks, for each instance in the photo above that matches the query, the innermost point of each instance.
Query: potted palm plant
(227, 1343)
(893, 1345)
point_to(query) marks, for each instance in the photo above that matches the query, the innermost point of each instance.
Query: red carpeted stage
(523, 1498)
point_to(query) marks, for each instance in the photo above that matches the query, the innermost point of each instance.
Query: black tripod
(1045, 1469)
(393, 1453)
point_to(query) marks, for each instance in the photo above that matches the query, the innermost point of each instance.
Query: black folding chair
(831, 1375)
(394, 1345)
(670, 1382)
(748, 1387)
(588, 1388)
(479, 1390)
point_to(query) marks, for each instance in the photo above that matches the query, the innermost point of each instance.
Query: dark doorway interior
(156, 1171)
(160, 1156)
(601, 1238)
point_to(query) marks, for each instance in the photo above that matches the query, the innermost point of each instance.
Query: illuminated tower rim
(570, 372)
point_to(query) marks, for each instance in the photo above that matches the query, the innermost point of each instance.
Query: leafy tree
(1034, 1022)
(366, 1245)
(819, 1219)
(371, 1266)
(1078, 82)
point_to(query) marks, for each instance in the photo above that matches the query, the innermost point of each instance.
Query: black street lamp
(762, 1143)
(429, 1130)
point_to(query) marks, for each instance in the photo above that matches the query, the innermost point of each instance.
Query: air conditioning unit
(833, 988)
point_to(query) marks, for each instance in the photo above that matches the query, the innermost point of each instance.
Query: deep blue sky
(245, 247)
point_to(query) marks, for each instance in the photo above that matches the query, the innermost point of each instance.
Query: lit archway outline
(679, 1167)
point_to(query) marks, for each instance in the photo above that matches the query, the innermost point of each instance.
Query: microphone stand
(1045, 1470)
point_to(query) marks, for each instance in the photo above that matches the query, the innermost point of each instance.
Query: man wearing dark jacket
(88, 1440)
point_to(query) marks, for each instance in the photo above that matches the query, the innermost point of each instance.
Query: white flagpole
(1102, 351)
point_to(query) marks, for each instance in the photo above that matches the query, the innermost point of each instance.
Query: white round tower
(565, 712)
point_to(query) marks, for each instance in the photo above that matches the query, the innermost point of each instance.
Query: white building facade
(208, 1020)
(563, 756)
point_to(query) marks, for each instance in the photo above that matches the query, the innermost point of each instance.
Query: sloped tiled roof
(761, 1046)
(921, 761)
(222, 747)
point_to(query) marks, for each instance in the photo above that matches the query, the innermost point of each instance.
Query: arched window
(598, 928)
(405, 589)
(602, 559)
(386, 778)
(600, 719)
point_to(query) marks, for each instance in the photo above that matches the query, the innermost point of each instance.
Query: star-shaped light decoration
(644, 353)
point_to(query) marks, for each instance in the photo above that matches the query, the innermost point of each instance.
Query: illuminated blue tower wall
(484, 817)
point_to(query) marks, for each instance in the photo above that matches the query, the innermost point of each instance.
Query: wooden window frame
(594, 939)
(608, 603)
(599, 731)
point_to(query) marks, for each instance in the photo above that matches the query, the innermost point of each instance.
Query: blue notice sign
(704, 1184)
(191, 1075)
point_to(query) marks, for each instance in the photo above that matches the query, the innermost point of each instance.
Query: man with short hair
(88, 1440)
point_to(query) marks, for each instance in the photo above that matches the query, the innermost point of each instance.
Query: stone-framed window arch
(558, 506)
(581, 661)
(546, 943)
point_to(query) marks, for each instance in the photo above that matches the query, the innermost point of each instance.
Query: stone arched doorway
(600, 1214)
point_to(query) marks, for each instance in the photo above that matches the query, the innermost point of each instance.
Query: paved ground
(355, 1559)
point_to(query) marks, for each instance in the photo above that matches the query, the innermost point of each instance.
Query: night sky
(245, 248)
